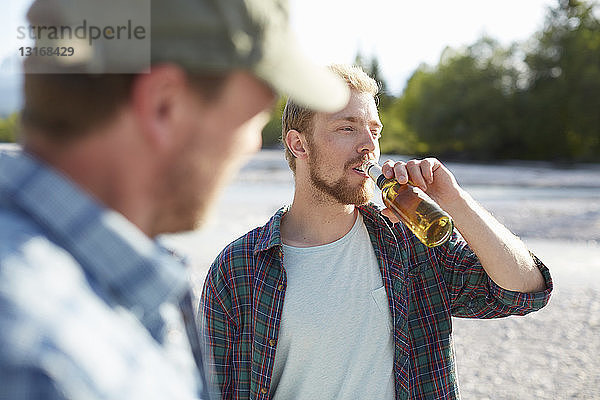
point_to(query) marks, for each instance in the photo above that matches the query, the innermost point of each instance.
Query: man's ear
(158, 101)
(296, 142)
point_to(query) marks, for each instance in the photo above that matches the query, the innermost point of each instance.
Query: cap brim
(291, 73)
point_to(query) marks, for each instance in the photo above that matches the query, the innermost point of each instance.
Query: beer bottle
(430, 224)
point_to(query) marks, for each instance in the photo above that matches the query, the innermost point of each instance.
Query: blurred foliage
(8, 128)
(464, 106)
(271, 134)
(536, 100)
(563, 97)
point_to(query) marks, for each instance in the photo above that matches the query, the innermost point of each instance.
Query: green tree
(373, 69)
(488, 102)
(563, 94)
(271, 133)
(396, 137)
(463, 107)
(8, 128)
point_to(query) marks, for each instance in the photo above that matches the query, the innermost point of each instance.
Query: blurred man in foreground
(91, 306)
(332, 300)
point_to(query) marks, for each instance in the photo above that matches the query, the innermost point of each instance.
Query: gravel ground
(551, 354)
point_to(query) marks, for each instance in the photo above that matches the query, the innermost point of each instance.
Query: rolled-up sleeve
(525, 302)
(473, 294)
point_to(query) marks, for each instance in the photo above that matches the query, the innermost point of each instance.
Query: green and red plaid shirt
(243, 297)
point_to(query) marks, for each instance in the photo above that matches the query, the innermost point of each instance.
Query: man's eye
(347, 128)
(376, 134)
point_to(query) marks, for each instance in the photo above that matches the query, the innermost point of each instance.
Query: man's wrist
(457, 202)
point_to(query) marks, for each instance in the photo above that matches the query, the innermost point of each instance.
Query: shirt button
(264, 390)
(272, 342)
(280, 287)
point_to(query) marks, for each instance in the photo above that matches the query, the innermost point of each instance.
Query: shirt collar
(135, 270)
(270, 235)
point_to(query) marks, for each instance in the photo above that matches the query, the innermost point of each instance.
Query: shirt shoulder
(15, 228)
(59, 332)
(34, 272)
(28, 255)
(243, 250)
(35, 280)
(232, 270)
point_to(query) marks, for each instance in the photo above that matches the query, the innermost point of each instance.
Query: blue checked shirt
(90, 307)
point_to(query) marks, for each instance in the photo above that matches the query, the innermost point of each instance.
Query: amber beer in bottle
(432, 225)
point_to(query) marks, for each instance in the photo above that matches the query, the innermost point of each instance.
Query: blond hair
(300, 118)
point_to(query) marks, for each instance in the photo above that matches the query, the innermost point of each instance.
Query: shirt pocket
(381, 300)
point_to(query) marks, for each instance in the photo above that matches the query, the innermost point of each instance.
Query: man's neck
(313, 221)
(94, 164)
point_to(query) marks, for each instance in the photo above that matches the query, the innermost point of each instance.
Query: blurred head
(220, 135)
(324, 149)
(192, 105)
(186, 135)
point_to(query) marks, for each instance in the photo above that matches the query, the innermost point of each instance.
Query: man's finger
(427, 170)
(400, 172)
(388, 169)
(415, 175)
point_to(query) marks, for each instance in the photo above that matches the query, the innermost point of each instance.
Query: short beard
(182, 206)
(340, 191)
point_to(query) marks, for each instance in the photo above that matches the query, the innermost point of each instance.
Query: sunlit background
(401, 34)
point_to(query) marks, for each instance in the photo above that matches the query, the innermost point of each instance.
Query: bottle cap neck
(374, 171)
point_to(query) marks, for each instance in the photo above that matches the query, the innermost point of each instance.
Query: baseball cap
(128, 36)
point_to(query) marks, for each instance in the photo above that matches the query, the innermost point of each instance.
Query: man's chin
(365, 195)
(176, 226)
(358, 198)
(361, 201)
(184, 217)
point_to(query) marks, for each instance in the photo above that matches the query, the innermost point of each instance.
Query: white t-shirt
(335, 338)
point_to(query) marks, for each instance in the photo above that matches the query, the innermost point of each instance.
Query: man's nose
(369, 141)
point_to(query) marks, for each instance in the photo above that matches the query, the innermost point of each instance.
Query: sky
(401, 34)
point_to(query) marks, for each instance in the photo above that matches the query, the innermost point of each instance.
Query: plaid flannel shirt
(242, 302)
